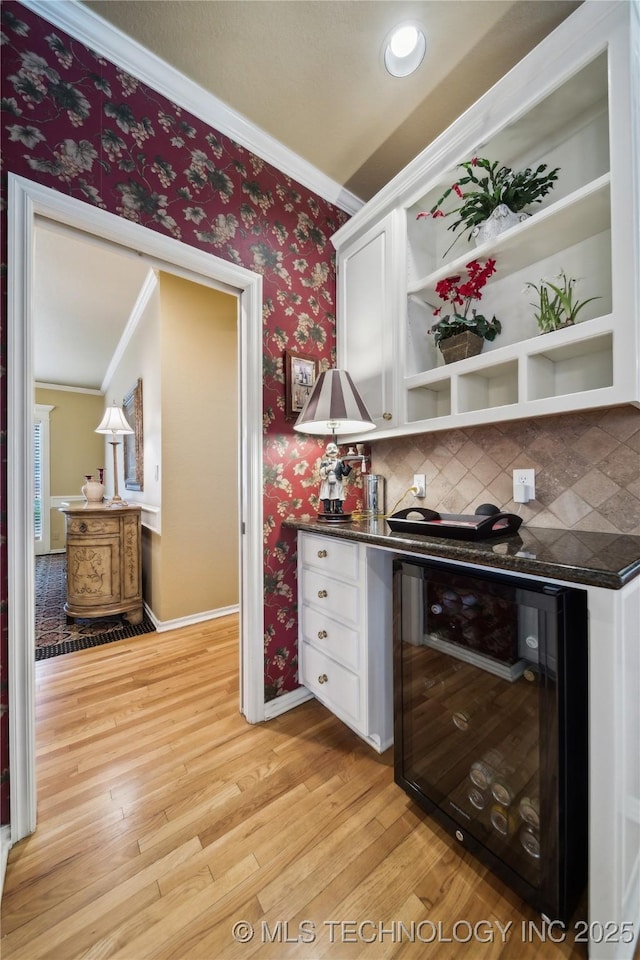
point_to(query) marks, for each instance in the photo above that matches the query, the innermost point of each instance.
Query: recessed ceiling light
(404, 49)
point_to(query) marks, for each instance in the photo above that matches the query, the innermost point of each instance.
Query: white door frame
(27, 201)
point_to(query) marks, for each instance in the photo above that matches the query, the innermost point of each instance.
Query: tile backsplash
(587, 469)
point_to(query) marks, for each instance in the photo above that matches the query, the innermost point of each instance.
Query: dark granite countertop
(607, 560)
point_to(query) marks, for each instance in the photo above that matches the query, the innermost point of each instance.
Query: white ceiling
(84, 295)
(310, 74)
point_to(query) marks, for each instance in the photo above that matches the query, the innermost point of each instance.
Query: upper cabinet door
(367, 319)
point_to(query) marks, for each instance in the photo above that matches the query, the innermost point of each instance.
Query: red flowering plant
(461, 294)
(486, 186)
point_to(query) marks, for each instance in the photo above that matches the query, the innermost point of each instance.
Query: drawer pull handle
(323, 678)
(322, 634)
(387, 416)
(322, 553)
(322, 594)
(83, 527)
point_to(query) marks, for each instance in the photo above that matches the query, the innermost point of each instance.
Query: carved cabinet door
(93, 571)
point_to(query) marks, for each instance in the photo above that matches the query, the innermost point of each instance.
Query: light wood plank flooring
(165, 819)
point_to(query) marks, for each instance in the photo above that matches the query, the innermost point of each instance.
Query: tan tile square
(501, 491)
(595, 444)
(469, 488)
(546, 448)
(503, 451)
(621, 422)
(486, 470)
(546, 519)
(454, 502)
(634, 488)
(436, 493)
(595, 487)
(470, 453)
(622, 466)
(623, 510)
(441, 456)
(454, 471)
(595, 523)
(569, 508)
(414, 460)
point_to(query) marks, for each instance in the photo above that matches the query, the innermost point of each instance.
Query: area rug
(54, 635)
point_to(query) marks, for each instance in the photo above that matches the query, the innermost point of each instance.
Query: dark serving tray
(490, 522)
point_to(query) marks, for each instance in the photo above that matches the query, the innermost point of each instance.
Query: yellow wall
(75, 448)
(199, 348)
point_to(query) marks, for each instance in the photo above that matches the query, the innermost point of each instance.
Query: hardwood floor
(165, 819)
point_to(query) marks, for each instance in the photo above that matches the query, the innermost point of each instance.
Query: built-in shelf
(567, 106)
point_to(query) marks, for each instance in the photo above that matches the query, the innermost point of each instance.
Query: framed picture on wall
(133, 446)
(300, 374)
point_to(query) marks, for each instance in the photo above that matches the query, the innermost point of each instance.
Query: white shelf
(583, 214)
(550, 366)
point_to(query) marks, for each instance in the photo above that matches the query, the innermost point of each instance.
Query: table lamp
(115, 423)
(334, 407)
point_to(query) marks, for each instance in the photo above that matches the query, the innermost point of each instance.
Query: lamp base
(335, 517)
(116, 502)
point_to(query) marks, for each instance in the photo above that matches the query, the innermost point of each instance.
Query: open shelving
(568, 105)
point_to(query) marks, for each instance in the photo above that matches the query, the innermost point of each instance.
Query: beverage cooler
(490, 716)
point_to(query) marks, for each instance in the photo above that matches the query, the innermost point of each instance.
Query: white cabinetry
(572, 103)
(614, 772)
(367, 343)
(345, 649)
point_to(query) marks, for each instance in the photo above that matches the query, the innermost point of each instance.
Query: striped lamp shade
(334, 406)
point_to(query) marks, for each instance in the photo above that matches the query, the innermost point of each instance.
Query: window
(41, 507)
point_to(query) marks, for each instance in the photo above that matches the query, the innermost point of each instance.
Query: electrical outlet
(419, 484)
(524, 485)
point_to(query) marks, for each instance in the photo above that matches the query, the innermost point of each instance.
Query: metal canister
(373, 494)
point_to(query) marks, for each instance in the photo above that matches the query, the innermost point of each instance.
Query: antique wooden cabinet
(104, 568)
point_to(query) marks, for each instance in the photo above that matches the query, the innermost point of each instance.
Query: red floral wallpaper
(76, 123)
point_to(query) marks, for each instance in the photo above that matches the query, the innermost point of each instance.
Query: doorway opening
(28, 202)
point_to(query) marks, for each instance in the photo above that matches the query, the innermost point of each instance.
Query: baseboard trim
(274, 708)
(163, 625)
(5, 847)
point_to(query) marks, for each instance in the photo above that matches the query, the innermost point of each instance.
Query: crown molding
(39, 385)
(146, 291)
(126, 53)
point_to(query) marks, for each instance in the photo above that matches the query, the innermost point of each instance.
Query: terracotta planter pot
(461, 346)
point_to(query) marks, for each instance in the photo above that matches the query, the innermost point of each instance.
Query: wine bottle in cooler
(503, 820)
(509, 781)
(529, 810)
(530, 840)
(483, 771)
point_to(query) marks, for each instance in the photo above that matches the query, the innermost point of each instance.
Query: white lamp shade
(114, 421)
(334, 406)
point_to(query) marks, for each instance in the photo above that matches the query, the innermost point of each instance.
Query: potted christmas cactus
(462, 332)
(493, 197)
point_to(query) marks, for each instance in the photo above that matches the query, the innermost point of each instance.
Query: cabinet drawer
(331, 636)
(93, 526)
(333, 684)
(337, 557)
(333, 596)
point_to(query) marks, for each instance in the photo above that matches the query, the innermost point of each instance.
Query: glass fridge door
(478, 693)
